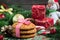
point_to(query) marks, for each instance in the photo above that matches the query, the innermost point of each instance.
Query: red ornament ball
(1, 37)
(2, 16)
(53, 31)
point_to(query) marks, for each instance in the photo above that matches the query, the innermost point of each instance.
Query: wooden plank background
(26, 4)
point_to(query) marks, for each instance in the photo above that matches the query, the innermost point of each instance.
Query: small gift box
(38, 12)
(46, 22)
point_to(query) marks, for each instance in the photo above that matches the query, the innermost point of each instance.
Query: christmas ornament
(4, 28)
(53, 30)
(52, 10)
(52, 6)
(15, 18)
(2, 16)
(6, 10)
(1, 37)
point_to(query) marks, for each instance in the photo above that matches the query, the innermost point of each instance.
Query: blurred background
(26, 4)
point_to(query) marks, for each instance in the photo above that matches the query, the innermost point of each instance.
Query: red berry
(44, 33)
(52, 31)
(2, 16)
(1, 37)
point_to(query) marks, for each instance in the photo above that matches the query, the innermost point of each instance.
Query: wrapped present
(38, 12)
(46, 22)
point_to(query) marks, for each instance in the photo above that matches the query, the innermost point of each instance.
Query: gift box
(46, 22)
(38, 12)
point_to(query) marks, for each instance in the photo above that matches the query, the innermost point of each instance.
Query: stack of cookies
(26, 31)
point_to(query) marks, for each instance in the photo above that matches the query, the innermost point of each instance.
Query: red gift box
(46, 22)
(38, 12)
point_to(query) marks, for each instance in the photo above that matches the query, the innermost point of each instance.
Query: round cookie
(24, 26)
(26, 32)
(26, 36)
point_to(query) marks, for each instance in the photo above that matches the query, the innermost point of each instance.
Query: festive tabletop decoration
(51, 32)
(23, 28)
(40, 17)
(44, 23)
(52, 10)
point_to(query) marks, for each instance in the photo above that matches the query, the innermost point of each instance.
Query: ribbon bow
(25, 21)
(6, 10)
(20, 22)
